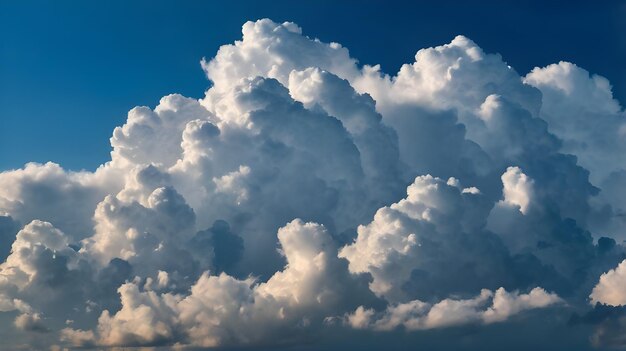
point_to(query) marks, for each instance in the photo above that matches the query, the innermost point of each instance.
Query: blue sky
(71, 70)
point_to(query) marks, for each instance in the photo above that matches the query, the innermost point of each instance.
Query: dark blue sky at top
(70, 70)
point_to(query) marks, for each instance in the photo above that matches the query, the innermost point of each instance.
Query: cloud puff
(222, 310)
(31, 323)
(412, 233)
(488, 307)
(581, 110)
(610, 289)
(48, 193)
(39, 255)
(304, 189)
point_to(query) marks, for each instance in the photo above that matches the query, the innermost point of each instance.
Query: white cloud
(488, 307)
(36, 245)
(518, 188)
(610, 289)
(222, 310)
(580, 109)
(48, 193)
(399, 239)
(30, 322)
(173, 242)
(78, 338)
(273, 50)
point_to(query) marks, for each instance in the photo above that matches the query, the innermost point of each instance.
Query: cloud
(222, 310)
(49, 193)
(34, 253)
(305, 189)
(518, 189)
(412, 233)
(273, 50)
(227, 247)
(609, 325)
(78, 338)
(488, 307)
(582, 112)
(610, 288)
(31, 323)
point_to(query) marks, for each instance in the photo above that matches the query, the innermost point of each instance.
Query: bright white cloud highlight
(488, 307)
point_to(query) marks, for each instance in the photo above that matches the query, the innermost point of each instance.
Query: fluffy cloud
(273, 50)
(517, 189)
(610, 289)
(304, 189)
(40, 253)
(222, 310)
(581, 110)
(48, 193)
(412, 233)
(488, 307)
(30, 322)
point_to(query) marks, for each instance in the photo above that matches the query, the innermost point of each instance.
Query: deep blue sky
(70, 70)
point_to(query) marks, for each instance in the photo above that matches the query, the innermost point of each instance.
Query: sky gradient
(73, 66)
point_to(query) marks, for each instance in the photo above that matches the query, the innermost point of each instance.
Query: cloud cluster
(416, 315)
(222, 310)
(305, 193)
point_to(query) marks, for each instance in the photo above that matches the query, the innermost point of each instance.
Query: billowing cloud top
(308, 199)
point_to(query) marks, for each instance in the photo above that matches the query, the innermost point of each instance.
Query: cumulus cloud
(412, 233)
(488, 307)
(78, 338)
(49, 193)
(610, 288)
(222, 310)
(581, 110)
(39, 254)
(304, 189)
(517, 189)
(31, 323)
